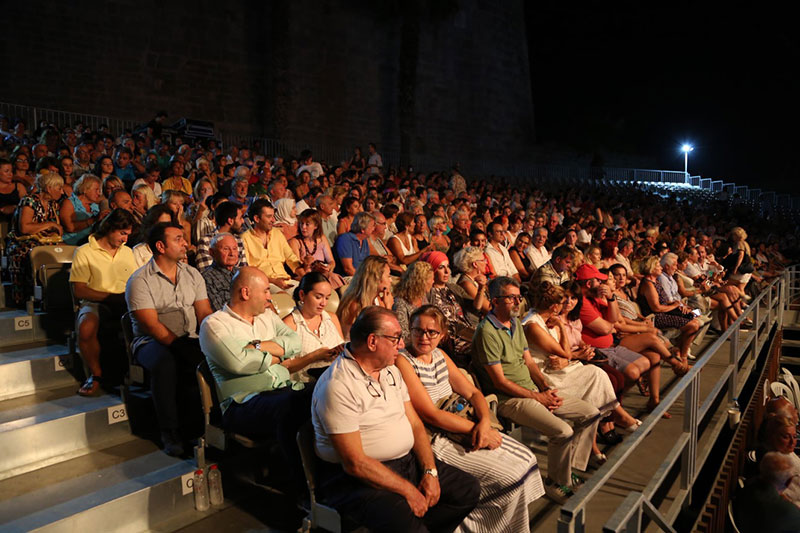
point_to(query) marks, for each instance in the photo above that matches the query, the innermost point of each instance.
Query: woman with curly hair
(371, 285)
(412, 292)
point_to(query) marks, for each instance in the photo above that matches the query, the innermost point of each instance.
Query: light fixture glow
(687, 148)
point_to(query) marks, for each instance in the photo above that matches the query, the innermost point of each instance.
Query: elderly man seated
(250, 352)
(762, 505)
(225, 253)
(378, 468)
(557, 270)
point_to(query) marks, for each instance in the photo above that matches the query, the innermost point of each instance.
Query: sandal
(91, 387)
(644, 386)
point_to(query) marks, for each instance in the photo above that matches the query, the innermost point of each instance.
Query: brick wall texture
(439, 79)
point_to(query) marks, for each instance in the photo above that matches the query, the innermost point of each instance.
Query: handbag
(458, 405)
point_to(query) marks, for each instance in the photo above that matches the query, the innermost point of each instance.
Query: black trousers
(277, 414)
(383, 510)
(173, 383)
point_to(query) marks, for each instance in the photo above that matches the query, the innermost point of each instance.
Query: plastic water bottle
(215, 486)
(200, 491)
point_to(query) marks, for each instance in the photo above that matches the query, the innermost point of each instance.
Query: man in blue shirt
(123, 168)
(353, 247)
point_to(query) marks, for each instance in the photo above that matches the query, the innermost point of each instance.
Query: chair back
(320, 516)
(135, 371)
(208, 392)
(51, 266)
(787, 377)
(781, 389)
(305, 443)
(283, 303)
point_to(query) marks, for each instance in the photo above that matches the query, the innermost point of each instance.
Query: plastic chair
(781, 389)
(730, 517)
(214, 433)
(319, 515)
(789, 379)
(51, 265)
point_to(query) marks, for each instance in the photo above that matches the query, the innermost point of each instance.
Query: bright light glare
(687, 148)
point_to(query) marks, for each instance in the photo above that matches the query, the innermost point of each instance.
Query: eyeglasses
(430, 333)
(516, 298)
(394, 339)
(389, 379)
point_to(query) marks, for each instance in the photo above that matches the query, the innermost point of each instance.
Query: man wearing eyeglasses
(505, 367)
(377, 465)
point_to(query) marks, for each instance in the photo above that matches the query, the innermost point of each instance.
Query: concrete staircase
(69, 463)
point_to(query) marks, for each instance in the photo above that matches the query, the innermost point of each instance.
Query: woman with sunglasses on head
(507, 470)
(320, 333)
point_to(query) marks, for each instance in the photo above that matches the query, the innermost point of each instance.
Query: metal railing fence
(628, 516)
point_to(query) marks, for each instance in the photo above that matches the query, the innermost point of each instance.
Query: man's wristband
(612, 299)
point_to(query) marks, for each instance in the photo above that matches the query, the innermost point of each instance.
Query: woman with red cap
(448, 299)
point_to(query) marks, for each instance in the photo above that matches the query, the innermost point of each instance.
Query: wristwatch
(613, 298)
(257, 345)
(432, 471)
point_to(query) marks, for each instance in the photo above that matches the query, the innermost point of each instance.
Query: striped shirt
(434, 376)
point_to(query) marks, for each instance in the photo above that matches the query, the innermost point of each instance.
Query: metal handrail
(573, 513)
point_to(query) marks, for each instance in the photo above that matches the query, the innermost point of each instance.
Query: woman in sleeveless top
(10, 192)
(508, 472)
(402, 244)
(320, 333)
(312, 248)
(653, 299)
(371, 285)
(552, 351)
(80, 211)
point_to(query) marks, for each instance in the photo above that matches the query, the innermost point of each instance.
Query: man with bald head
(252, 353)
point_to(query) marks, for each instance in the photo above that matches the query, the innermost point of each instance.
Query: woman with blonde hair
(472, 264)
(412, 292)
(371, 285)
(36, 216)
(82, 209)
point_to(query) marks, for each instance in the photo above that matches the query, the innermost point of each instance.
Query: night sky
(641, 79)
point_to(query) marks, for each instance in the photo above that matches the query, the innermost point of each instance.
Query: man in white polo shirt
(366, 429)
(498, 253)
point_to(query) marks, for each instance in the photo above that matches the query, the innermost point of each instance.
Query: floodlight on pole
(686, 148)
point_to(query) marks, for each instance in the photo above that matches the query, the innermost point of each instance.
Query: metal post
(733, 360)
(685, 164)
(689, 455)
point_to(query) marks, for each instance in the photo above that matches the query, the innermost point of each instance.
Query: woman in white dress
(562, 367)
(402, 244)
(320, 333)
(507, 470)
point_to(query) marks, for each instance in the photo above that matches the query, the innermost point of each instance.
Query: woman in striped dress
(508, 471)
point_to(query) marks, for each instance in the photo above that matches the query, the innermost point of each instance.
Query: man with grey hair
(761, 505)
(505, 367)
(327, 212)
(353, 247)
(218, 276)
(378, 468)
(537, 252)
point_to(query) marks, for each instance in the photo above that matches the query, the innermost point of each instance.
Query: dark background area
(643, 78)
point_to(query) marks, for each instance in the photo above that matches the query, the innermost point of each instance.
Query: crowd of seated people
(557, 300)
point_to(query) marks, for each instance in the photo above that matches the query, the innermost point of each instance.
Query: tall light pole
(686, 148)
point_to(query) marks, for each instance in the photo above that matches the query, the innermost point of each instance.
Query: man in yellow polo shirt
(100, 270)
(268, 250)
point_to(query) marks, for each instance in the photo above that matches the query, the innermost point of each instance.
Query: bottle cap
(199, 471)
(213, 467)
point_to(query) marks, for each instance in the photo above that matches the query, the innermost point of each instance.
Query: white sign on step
(117, 413)
(187, 483)
(62, 362)
(23, 322)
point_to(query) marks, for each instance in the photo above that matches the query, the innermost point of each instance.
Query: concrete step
(24, 369)
(149, 491)
(54, 425)
(21, 327)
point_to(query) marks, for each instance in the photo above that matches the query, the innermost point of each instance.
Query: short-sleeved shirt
(218, 285)
(496, 344)
(349, 247)
(150, 288)
(503, 265)
(125, 173)
(99, 270)
(177, 184)
(346, 399)
(270, 260)
(591, 310)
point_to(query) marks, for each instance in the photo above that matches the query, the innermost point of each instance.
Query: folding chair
(781, 389)
(214, 434)
(135, 373)
(791, 382)
(51, 265)
(319, 515)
